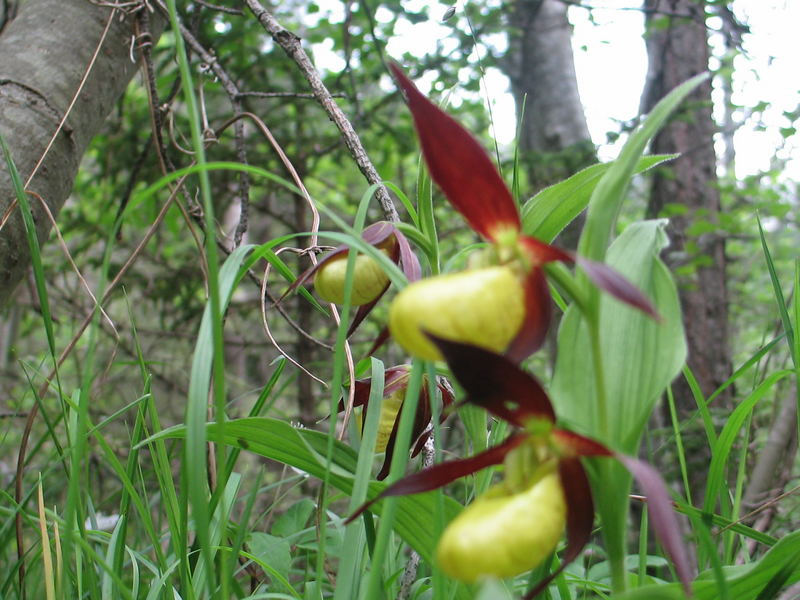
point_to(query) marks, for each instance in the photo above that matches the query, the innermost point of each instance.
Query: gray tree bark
(766, 478)
(44, 52)
(554, 137)
(677, 52)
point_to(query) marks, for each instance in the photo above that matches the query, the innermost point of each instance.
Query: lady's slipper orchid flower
(394, 391)
(517, 523)
(369, 280)
(502, 304)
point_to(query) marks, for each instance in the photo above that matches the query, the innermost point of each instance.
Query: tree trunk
(765, 479)
(554, 137)
(45, 51)
(677, 52)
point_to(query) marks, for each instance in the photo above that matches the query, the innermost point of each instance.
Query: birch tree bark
(44, 53)
(554, 137)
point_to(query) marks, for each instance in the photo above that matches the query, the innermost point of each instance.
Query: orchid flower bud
(502, 534)
(369, 280)
(484, 307)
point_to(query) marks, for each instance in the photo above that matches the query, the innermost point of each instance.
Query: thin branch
(235, 96)
(217, 7)
(298, 95)
(291, 45)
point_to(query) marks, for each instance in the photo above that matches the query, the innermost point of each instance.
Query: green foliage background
(105, 442)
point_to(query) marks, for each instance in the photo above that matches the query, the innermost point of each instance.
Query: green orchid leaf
(641, 356)
(546, 214)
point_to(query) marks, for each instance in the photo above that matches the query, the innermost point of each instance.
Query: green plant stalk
(339, 359)
(197, 489)
(338, 377)
(676, 428)
(790, 321)
(162, 467)
(613, 510)
(427, 220)
(568, 284)
(354, 537)
(599, 376)
(397, 469)
(642, 570)
(440, 582)
(741, 475)
(613, 506)
(41, 287)
(796, 346)
(601, 217)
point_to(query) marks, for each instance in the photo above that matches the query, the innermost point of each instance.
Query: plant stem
(599, 375)
(614, 531)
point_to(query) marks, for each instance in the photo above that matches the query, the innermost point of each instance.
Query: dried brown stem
(291, 45)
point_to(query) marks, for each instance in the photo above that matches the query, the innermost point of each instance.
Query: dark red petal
(663, 518)
(495, 383)
(573, 445)
(580, 516)
(460, 166)
(447, 398)
(538, 313)
(540, 253)
(424, 413)
(408, 260)
(446, 472)
(617, 285)
(420, 443)
(389, 452)
(394, 378)
(422, 421)
(363, 311)
(361, 390)
(379, 341)
(379, 232)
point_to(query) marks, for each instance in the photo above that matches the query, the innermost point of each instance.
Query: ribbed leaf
(552, 209)
(640, 356)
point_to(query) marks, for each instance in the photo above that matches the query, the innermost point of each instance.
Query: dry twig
(291, 45)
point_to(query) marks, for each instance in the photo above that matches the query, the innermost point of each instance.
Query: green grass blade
(305, 449)
(778, 293)
(679, 449)
(609, 193)
(193, 465)
(195, 492)
(354, 540)
(721, 450)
